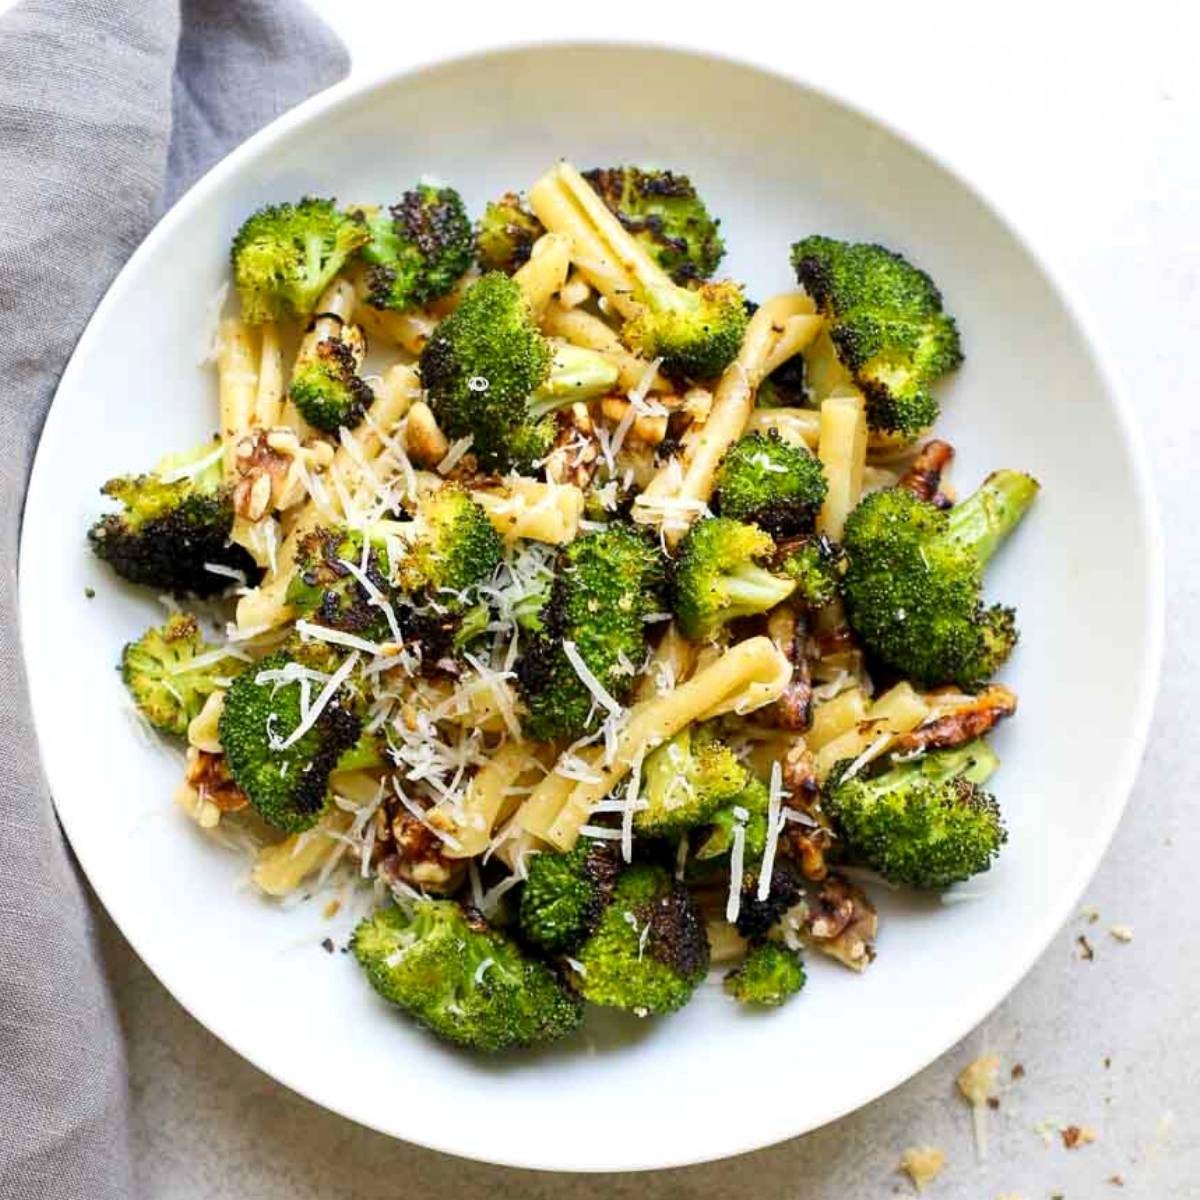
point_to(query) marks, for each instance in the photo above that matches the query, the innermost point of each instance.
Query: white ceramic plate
(776, 161)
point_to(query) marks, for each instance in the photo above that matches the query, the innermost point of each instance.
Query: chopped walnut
(262, 474)
(576, 453)
(962, 722)
(922, 1164)
(842, 922)
(411, 851)
(924, 476)
(209, 775)
(807, 844)
(787, 628)
(650, 430)
(1075, 1136)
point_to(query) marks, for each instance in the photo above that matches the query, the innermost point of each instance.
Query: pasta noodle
(528, 508)
(545, 272)
(582, 328)
(895, 712)
(237, 387)
(472, 820)
(800, 426)
(842, 449)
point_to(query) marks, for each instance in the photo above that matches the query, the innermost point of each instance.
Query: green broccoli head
(927, 822)
(914, 580)
(565, 895)
(785, 387)
(886, 325)
(685, 781)
(166, 684)
(768, 482)
(286, 781)
(769, 975)
(452, 546)
(490, 375)
(748, 809)
(418, 249)
(327, 587)
(815, 563)
(607, 581)
(464, 981)
(174, 522)
(505, 234)
(696, 333)
(327, 387)
(717, 580)
(663, 211)
(649, 952)
(285, 255)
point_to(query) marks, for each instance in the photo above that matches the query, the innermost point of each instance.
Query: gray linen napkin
(108, 110)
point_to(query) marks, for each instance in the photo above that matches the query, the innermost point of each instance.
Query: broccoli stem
(575, 374)
(976, 762)
(752, 589)
(985, 519)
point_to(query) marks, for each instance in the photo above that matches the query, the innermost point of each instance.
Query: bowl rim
(358, 88)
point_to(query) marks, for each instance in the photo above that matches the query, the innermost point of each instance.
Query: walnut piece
(841, 922)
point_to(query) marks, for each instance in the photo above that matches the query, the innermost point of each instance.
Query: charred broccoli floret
(649, 951)
(716, 577)
(927, 823)
(785, 387)
(663, 211)
(464, 981)
(565, 895)
(756, 917)
(173, 522)
(327, 585)
(286, 254)
(773, 484)
(452, 546)
(915, 576)
(685, 780)
(606, 582)
(327, 387)
(886, 326)
(285, 780)
(505, 234)
(418, 249)
(815, 563)
(490, 375)
(166, 684)
(769, 975)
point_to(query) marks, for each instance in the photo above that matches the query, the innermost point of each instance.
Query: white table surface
(1082, 122)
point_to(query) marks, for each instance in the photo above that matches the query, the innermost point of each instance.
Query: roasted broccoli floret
(505, 234)
(756, 917)
(697, 333)
(886, 326)
(914, 580)
(685, 780)
(768, 975)
(748, 809)
(565, 895)
(418, 249)
(663, 211)
(286, 254)
(927, 823)
(327, 585)
(327, 387)
(649, 951)
(160, 671)
(490, 375)
(464, 981)
(716, 578)
(174, 521)
(785, 387)
(606, 582)
(451, 548)
(768, 482)
(285, 781)
(815, 563)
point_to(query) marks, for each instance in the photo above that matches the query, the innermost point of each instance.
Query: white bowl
(776, 161)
